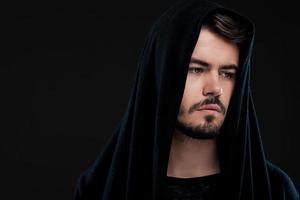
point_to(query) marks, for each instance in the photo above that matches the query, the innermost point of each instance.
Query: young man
(190, 130)
(208, 89)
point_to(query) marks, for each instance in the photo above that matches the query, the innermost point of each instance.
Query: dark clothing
(197, 188)
(135, 160)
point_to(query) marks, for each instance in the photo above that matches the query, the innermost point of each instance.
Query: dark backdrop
(67, 71)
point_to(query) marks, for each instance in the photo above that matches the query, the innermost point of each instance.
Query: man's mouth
(210, 107)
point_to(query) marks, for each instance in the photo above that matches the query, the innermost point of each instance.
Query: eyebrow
(207, 65)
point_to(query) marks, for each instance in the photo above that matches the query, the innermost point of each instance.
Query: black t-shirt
(196, 188)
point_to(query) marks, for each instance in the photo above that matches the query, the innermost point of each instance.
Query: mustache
(211, 100)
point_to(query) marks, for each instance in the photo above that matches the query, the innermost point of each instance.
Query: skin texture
(211, 84)
(194, 149)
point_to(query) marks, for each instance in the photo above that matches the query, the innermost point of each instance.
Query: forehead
(213, 49)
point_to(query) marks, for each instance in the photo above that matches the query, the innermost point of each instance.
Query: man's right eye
(195, 70)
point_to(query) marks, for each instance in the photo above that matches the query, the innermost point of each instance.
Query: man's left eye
(228, 75)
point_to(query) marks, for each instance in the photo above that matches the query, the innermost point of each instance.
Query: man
(190, 129)
(208, 88)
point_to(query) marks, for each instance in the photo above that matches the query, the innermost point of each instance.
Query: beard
(201, 131)
(207, 130)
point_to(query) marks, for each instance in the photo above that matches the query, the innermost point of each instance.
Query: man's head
(211, 76)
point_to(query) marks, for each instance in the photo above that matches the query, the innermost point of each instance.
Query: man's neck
(192, 157)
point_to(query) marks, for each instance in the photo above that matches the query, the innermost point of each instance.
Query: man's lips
(213, 107)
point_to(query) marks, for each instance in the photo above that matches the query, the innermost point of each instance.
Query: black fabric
(196, 188)
(135, 160)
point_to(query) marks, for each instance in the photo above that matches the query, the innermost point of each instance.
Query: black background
(67, 71)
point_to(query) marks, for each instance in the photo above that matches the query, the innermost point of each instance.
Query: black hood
(135, 160)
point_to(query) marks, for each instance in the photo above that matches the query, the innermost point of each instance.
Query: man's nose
(212, 87)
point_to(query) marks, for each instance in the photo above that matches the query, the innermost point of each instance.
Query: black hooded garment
(134, 163)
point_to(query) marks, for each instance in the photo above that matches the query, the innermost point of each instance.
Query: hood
(135, 159)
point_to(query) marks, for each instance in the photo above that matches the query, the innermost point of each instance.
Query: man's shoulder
(276, 173)
(280, 181)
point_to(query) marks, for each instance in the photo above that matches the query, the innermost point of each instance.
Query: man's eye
(195, 70)
(228, 75)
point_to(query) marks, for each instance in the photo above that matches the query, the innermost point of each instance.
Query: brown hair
(232, 28)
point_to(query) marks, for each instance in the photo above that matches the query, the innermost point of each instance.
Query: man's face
(210, 82)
